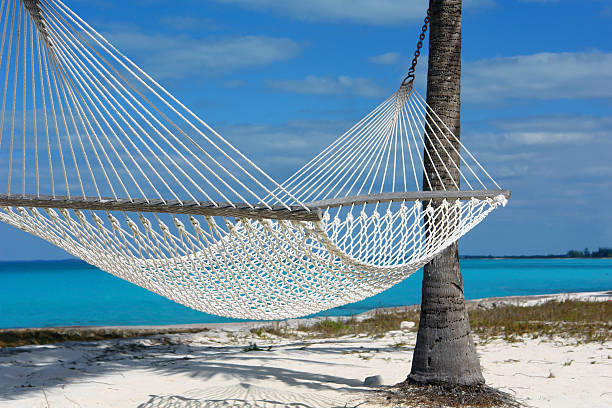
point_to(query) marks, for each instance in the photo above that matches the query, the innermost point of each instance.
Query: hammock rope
(102, 161)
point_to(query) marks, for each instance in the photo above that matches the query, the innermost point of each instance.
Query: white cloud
(543, 76)
(283, 148)
(388, 58)
(528, 137)
(317, 85)
(550, 153)
(507, 140)
(186, 22)
(555, 130)
(540, 76)
(379, 12)
(179, 56)
(234, 83)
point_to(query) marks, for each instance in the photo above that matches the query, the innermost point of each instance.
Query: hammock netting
(102, 161)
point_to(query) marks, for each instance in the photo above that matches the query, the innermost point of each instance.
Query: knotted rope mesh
(84, 133)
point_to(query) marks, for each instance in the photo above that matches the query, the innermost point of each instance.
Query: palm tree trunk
(444, 352)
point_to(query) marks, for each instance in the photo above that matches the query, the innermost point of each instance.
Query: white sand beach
(212, 369)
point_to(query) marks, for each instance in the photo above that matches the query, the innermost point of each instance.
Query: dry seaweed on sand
(409, 394)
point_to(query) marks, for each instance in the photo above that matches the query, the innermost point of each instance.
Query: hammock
(102, 161)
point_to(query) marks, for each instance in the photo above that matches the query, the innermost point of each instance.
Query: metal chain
(417, 53)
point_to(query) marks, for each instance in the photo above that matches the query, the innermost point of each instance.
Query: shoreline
(493, 257)
(14, 337)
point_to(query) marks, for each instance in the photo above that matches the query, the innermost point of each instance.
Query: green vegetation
(572, 253)
(377, 325)
(51, 335)
(584, 321)
(600, 253)
(276, 329)
(332, 328)
(255, 347)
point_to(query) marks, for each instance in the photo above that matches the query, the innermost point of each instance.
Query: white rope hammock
(100, 160)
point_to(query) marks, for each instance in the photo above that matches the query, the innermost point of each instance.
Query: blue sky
(293, 75)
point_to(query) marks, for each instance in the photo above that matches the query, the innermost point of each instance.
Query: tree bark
(444, 352)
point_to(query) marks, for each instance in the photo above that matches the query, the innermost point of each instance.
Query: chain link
(417, 53)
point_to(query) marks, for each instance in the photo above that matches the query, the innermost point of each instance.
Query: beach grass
(581, 321)
(51, 335)
(379, 323)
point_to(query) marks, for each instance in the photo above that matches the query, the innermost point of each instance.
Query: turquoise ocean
(72, 293)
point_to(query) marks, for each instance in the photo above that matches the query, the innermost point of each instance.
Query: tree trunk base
(411, 393)
(444, 353)
(467, 380)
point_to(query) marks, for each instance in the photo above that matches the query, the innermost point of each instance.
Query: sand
(211, 369)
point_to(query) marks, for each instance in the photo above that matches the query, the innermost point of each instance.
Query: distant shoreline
(494, 257)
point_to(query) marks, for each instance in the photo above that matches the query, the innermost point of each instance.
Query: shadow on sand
(243, 396)
(31, 368)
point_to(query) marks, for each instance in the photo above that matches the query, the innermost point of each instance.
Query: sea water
(72, 293)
